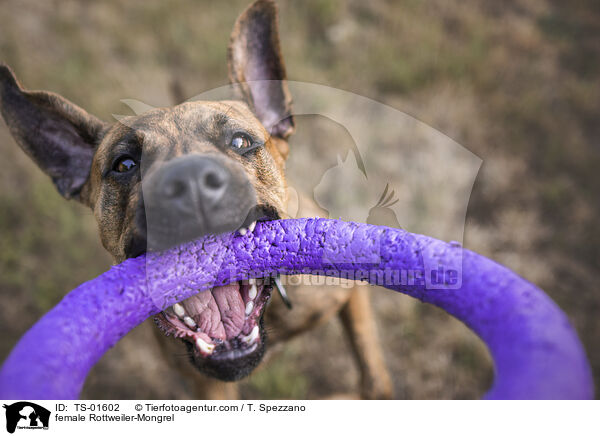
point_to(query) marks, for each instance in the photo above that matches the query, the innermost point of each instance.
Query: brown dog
(174, 174)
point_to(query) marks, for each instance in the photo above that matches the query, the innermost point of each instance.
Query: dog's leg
(358, 321)
(211, 389)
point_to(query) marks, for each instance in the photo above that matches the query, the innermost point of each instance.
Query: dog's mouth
(222, 326)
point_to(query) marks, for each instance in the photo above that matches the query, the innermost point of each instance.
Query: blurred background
(516, 83)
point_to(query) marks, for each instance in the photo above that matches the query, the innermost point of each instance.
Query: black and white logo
(26, 415)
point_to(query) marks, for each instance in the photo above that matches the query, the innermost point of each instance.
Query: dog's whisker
(180, 355)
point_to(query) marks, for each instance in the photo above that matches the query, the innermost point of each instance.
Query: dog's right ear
(57, 134)
(256, 66)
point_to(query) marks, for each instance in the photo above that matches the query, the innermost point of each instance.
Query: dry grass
(514, 82)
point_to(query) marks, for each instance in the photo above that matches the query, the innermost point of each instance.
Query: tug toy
(536, 352)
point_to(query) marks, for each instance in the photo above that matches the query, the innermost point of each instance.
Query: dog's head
(173, 174)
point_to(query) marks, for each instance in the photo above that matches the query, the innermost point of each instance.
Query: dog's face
(174, 174)
(171, 175)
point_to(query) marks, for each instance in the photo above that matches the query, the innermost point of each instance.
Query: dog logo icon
(26, 415)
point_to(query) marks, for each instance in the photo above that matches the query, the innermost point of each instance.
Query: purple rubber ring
(536, 352)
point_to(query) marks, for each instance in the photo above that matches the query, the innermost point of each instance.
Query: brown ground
(514, 82)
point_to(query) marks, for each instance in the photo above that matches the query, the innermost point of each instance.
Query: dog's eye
(240, 142)
(124, 164)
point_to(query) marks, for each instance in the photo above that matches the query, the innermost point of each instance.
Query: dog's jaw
(221, 327)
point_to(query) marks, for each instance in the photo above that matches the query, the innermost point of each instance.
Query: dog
(208, 167)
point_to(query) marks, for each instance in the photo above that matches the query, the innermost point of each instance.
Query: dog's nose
(194, 195)
(193, 184)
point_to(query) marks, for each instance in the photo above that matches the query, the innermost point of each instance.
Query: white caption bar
(295, 417)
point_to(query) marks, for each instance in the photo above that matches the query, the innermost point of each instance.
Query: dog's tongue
(219, 313)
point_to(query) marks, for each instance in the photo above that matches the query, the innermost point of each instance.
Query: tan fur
(86, 146)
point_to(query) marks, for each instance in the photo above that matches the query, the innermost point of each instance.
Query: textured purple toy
(536, 351)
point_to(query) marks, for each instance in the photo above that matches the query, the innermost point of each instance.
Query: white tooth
(204, 346)
(251, 281)
(252, 292)
(249, 307)
(189, 321)
(179, 310)
(252, 337)
(242, 231)
(251, 226)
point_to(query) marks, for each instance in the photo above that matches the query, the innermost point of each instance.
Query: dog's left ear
(256, 66)
(58, 135)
